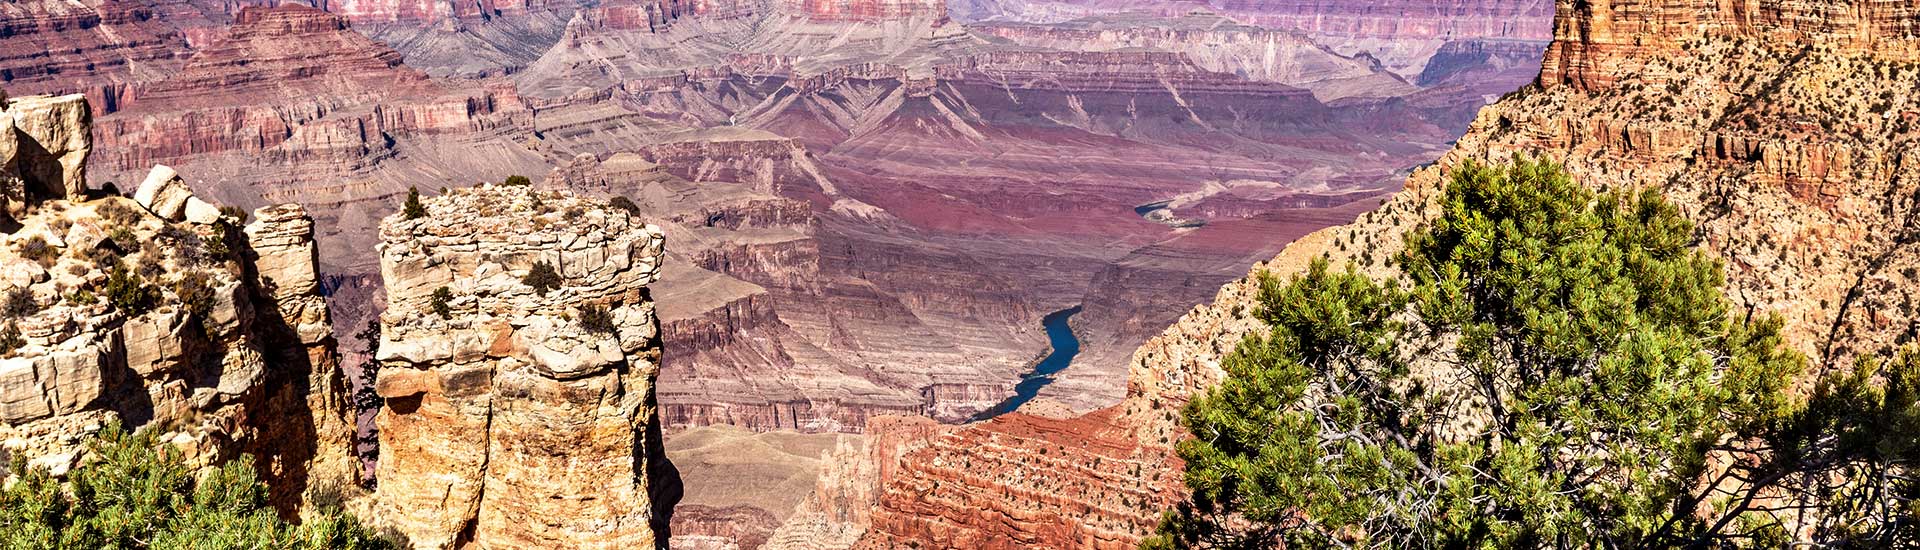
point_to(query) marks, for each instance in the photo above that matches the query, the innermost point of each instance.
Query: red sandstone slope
(96, 48)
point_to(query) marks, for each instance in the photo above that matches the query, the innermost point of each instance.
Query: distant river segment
(1065, 346)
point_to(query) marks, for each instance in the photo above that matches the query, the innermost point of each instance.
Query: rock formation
(159, 311)
(519, 410)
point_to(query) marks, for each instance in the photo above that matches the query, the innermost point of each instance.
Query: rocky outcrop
(516, 416)
(126, 312)
(44, 145)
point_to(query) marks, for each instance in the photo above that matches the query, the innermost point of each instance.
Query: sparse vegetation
(597, 319)
(238, 214)
(413, 209)
(438, 302)
(137, 493)
(518, 180)
(542, 277)
(120, 214)
(82, 297)
(39, 251)
(127, 292)
(10, 340)
(18, 303)
(195, 292)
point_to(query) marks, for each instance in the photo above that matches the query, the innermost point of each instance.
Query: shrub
(542, 278)
(37, 249)
(439, 301)
(1596, 358)
(195, 291)
(413, 209)
(82, 297)
(624, 204)
(237, 213)
(597, 319)
(124, 239)
(133, 496)
(120, 214)
(519, 180)
(127, 292)
(19, 303)
(10, 340)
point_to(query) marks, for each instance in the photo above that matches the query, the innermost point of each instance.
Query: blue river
(1065, 346)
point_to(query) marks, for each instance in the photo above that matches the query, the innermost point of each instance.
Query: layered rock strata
(160, 311)
(1747, 124)
(519, 416)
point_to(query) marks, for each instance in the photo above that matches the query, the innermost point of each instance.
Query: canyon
(1762, 126)
(869, 208)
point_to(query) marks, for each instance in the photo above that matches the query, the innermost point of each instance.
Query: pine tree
(413, 209)
(1556, 372)
(135, 492)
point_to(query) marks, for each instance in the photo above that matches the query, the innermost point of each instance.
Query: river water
(1065, 346)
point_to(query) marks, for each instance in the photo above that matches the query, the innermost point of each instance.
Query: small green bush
(120, 214)
(19, 303)
(520, 180)
(10, 339)
(124, 239)
(597, 319)
(542, 277)
(439, 301)
(236, 213)
(413, 209)
(82, 297)
(127, 292)
(37, 249)
(195, 290)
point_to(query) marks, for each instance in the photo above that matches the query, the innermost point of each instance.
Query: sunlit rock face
(519, 416)
(228, 348)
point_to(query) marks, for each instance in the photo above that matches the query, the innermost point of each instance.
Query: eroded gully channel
(1065, 346)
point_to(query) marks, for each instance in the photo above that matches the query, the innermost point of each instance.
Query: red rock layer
(1445, 19)
(1024, 481)
(1600, 42)
(867, 10)
(95, 47)
(290, 84)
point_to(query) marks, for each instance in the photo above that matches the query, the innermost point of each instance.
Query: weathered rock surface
(520, 418)
(213, 353)
(44, 145)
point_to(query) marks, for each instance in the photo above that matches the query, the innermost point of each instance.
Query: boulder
(21, 398)
(54, 165)
(201, 212)
(164, 194)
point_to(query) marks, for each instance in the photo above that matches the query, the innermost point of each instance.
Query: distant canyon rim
(868, 206)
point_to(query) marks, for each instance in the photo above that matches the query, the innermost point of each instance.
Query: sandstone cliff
(521, 416)
(1773, 124)
(158, 311)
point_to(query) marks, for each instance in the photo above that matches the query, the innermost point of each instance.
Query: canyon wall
(161, 311)
(521, 416)
(1778, 135)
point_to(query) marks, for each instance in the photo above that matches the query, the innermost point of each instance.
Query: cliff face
(517, 417)
(159, 311)
(1765, 121)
